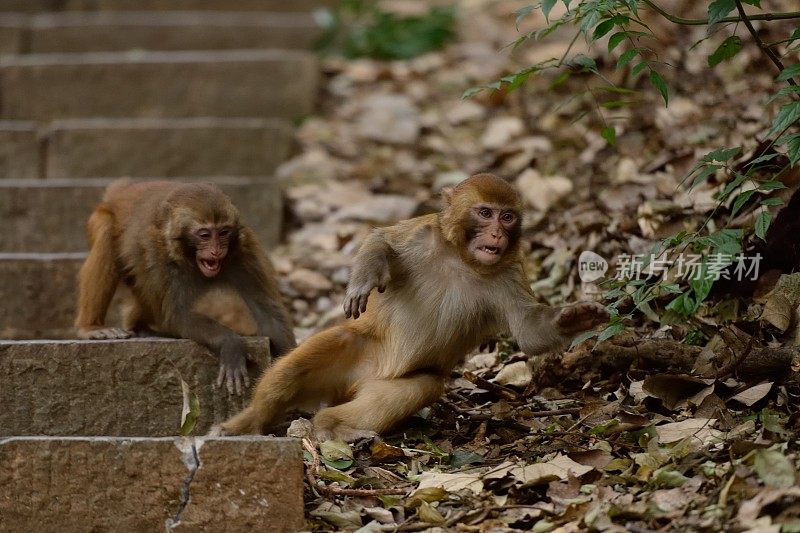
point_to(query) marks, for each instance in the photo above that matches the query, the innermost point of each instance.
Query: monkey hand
(359, 287)
(233, 368)
(104, 333)
(580, 317)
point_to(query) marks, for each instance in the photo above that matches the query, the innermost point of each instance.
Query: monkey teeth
(208, 267)
(490, 250)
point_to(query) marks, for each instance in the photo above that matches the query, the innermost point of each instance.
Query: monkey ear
(447, 196)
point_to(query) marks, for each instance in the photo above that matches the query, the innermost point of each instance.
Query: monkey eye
(224, 232)
(485, 212)
(204, 234)
(508, 217)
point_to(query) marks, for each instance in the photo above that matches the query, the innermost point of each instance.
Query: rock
(464, 111)
(389, 118)
(313, 166)
(543, 192)
(309, 283)
(448, 179)
(516, 374)
(380, 209)
(501, 131)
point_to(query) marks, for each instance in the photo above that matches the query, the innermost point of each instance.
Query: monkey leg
(98, 279)
(378, 406)
(318, 371)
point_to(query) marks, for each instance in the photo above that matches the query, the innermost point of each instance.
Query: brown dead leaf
(754, 394)
(676, 391)
(697, 428)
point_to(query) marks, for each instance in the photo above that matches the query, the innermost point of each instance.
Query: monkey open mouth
(491, 250)
(209, 267)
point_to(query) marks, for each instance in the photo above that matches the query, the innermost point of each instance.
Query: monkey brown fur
(181, 249)
(444, 283)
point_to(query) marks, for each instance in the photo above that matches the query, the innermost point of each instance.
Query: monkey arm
(540, 328)
(371, 269)
(180, 320)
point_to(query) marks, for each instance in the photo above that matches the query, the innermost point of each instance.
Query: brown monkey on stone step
(444, 283)
(178, 246)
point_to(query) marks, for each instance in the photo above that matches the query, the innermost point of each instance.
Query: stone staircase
(92, 90)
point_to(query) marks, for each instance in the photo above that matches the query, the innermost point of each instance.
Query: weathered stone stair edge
(155, 30)
(123, 388)
(154, 56)
(50, 215)
(147, 484)
(225, 83)
(164, 5)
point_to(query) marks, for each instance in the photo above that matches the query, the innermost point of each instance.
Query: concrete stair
(91, 90)
(150, 484)
(32, 6)
(221, 83)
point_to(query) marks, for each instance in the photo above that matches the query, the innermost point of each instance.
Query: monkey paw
(342, 432)
(580, 317)
(105, 333)
(359, 287)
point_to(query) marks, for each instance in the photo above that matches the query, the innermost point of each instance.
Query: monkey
(422, 294)
(181, 249)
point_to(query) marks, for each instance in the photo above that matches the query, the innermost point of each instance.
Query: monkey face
(492, 228)
(211, 243)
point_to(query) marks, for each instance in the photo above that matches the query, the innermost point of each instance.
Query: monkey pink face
(211, 246)
(492, 228)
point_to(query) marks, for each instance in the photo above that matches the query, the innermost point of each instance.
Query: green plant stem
(764, 48)
(702, 22)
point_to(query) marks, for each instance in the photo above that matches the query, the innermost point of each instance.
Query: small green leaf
(603, 28)
(787, 115)
(789, 72)
(659, 83)
(772, 201)
(774, 468)
(762, 224)
(616, 39)
(719, 9)
(582, 337)
(771, 185)
(793, 148)
(721, 154)
(740, 201)
(610, 331)
(609, 134)
(626, 57)
(472, 91)
(547, 6)
(521, 13)
(191, 410)
(704, 174)
(729, 48)
(336, 454)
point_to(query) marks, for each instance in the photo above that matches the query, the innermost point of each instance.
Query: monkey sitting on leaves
(180, 248)
(443, 283)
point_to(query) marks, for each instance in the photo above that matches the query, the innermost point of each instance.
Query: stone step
(31, 6)
(123, 388)
(106, 31)
(38, 295)
(165, 147)
(21, 152)
(221, 83)
(50, 215)
(147, 484)
(77, 148)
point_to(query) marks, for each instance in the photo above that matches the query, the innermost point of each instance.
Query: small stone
(310, 283)
(389, 118)
(543, 192)
(464, 111)
(501, 131)
(380, 209)
(448, 179)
